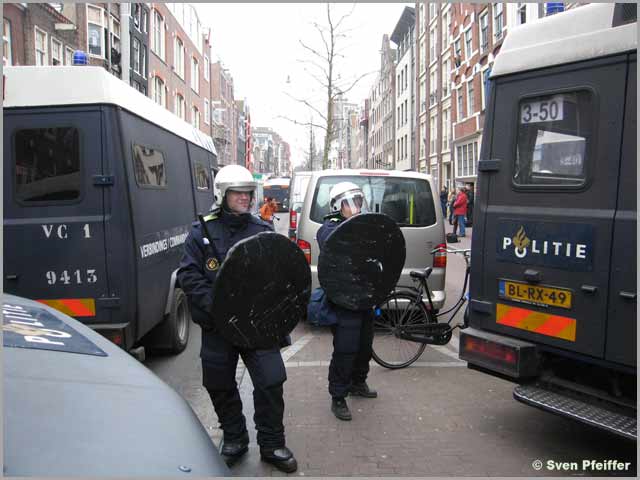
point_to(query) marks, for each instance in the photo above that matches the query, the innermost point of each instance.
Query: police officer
(230, 222)
(353, 334)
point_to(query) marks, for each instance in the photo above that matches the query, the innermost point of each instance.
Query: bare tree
(323, 62)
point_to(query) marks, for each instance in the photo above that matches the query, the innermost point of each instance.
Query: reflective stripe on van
(74, 307)
(536, 322)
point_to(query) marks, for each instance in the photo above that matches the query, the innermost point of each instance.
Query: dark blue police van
(553, 280)
(100, 187)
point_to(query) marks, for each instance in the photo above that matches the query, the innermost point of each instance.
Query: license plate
(540, 295)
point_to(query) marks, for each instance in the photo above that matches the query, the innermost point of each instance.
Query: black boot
(362, 390)
(280, 457)
(340, 409)
(234, 449)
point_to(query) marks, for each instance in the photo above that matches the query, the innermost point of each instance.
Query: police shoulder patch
(211, 216)
(212, 264)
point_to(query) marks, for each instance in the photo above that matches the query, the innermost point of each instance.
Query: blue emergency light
(555, 7)
(80, 58)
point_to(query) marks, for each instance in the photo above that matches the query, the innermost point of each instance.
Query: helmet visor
(354, 200)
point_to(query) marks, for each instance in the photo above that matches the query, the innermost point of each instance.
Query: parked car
(75, 404)
(297, 192)
(407, 197)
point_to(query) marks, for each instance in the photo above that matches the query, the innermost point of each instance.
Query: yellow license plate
(540, 295)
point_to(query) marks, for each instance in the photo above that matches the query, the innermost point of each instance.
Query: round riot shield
(361, 261)
(261, 291)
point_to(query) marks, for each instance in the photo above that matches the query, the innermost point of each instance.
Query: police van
(553, 280)
(101, 185)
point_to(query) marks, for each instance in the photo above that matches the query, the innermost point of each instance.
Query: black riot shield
(362, 261)
(261, 291)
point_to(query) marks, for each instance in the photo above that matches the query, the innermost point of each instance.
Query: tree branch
(304, 124)
(305, 102)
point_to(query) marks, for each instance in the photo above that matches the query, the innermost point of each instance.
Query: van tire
(172, 335)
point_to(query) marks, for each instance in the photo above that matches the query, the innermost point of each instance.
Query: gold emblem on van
(520, 241)
(212, 264)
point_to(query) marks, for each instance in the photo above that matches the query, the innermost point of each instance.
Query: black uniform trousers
(352, 346)
(267, 371)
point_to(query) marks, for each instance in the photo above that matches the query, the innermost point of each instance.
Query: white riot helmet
(351, 194)
(232, 177)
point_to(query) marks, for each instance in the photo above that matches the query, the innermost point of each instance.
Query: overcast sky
(260, 45)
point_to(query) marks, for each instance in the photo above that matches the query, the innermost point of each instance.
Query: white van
(297, 192)
(406, 197)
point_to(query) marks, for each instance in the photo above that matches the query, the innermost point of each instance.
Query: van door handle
(628, 295)
(11, 277)
(589, 289)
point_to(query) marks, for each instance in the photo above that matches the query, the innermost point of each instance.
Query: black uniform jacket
(201, 261)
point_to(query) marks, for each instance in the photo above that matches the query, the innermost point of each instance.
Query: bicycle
(403, 323)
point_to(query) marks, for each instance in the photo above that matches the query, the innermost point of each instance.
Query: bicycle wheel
(399, 314)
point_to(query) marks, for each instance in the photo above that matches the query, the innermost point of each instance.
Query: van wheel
(172, 335)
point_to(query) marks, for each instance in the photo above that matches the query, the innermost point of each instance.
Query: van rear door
(54, 245)
(548, 205)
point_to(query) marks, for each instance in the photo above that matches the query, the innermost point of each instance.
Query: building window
(135, 55)
(432, 44)
(115, 34)
(445, 78)
(158, 35)
(195, 75)
(445, 129)
(432, 10)
(467, 159)
(159, 94)
(457, 49)
(143, 60)
(94, 30)
(6, 42)
(484, 31)
(144, 21)
(467, 43)
(433, 88)
(484, 87)
(178, 57)
(445, 30)
(180, 107)
(195, 117)
(42, 54)
(207, 68)
(206, 111)
(68, 56)
(470, 98)
(433, 127)
(497, 21)
(522, 14)
(460, 105)
(56, 52)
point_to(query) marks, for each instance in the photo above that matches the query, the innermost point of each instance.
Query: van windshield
(408, 201)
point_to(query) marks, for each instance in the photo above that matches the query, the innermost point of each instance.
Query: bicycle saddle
(425, 274)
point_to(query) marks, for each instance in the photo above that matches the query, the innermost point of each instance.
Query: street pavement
(435, 418)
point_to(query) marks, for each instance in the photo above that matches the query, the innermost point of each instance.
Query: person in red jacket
(460, 211)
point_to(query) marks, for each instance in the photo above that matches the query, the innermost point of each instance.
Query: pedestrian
(460, 211)
(353, 332)
(234, 191)
(444, 197)
(268, 210)
(470, 201)
(452, 199)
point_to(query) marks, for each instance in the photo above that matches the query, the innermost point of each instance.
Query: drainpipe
(108, 52)
(125, 42)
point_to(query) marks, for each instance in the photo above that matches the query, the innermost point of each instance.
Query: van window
(408, 201)
(47, 164)
(554, 133)
(202, 177)
(149, 167)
